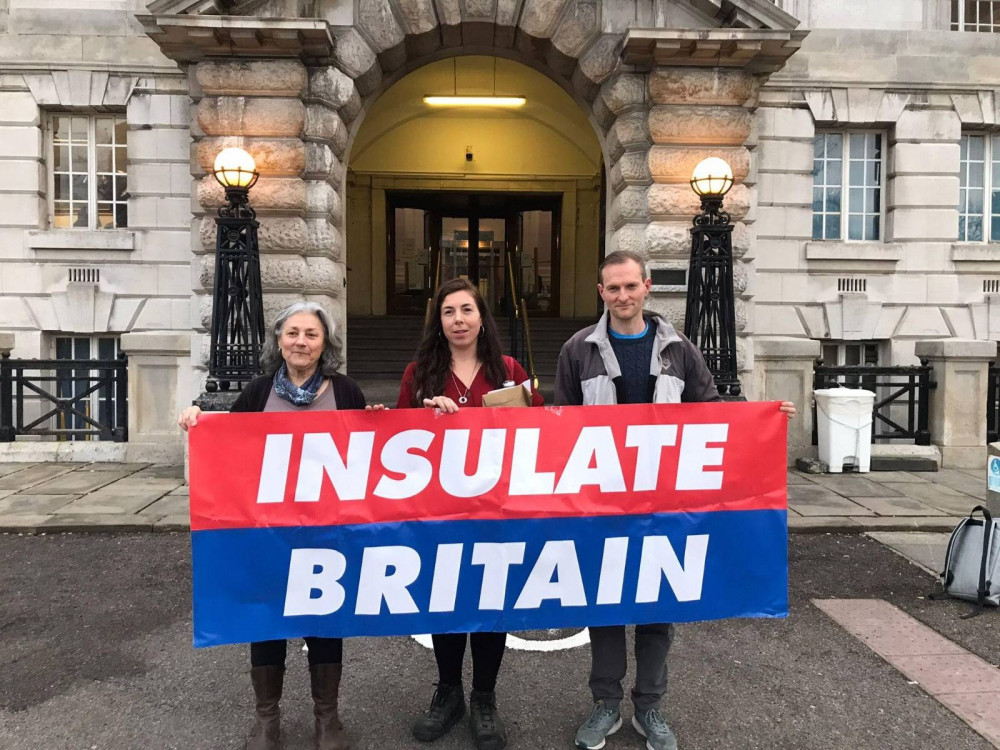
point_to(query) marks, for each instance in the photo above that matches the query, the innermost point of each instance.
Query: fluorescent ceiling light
(475, 101)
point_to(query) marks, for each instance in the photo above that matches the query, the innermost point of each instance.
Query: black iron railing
(993, 404)
(70, 399)
(902, 397)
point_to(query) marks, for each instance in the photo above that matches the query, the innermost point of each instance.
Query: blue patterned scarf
(292, 393)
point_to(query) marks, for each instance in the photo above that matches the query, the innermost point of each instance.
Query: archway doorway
(509, 198)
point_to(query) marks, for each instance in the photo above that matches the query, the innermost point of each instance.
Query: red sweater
(480, 386)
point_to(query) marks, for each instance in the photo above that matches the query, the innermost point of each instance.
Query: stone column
(6, 342)
(697, 113)
(296, 139)
(159, 375)
(784, 372)
(923, 195)
(623, 108)
(958, 404)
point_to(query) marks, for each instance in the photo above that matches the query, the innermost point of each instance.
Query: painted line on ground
(523, 644)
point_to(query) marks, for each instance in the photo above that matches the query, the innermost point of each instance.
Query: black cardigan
(346, 393)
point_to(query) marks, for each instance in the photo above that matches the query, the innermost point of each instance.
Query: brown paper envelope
(513, 396)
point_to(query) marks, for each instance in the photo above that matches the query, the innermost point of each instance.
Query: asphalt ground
(95, 653)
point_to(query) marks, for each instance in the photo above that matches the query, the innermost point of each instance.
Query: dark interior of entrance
(507, 244)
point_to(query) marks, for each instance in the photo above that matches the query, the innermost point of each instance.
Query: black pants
(487, 653)
(321, 651)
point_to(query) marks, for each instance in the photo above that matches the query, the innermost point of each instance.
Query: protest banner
(347, 523)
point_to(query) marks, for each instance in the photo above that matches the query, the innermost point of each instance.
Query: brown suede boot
(267, 683)
(325, 680)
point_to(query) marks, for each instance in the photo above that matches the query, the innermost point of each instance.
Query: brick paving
(965, 683)
(151, 497)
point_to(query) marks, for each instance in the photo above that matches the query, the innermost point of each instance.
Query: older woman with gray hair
(300, 361)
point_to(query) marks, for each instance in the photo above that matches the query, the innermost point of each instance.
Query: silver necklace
(464, 399)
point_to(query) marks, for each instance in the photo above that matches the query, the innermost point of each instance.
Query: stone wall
(916, 282)
(133, 280)
(298, 119)
(67, 59)
(665, 123)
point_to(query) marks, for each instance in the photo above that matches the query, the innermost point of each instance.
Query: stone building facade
(664, 83)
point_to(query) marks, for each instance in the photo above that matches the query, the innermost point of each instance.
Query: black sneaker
(485, 724)
(447, 707)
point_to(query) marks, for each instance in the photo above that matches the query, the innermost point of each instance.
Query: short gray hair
(329, 360)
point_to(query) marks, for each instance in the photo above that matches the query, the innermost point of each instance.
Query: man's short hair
(617, 258)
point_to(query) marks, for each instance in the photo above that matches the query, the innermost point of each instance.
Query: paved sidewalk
(53, 497)
(883, 501)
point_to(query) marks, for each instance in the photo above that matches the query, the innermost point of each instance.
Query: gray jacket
(588, 371)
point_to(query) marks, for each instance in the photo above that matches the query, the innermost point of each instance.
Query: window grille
(88, 275)
(852, 285)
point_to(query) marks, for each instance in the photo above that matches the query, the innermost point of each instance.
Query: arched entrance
(507, 197)
(290, 80)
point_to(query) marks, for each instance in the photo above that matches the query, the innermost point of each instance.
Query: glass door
(411, 273)
(454, 249)
(537, 259)
(496, 240)
(492, 262)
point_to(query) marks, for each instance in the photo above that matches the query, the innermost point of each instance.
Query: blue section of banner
(241, 575)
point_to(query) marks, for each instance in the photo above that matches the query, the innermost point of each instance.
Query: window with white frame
(88, 171)
(847, 186)
(979, 189)
(975, 15)
(99, 405)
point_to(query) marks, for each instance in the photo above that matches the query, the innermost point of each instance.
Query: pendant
(463, 399)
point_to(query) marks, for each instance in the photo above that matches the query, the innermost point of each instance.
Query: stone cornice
(756, 50)
(765, 12)
(751, 14)
(188, 38)
(193, 7)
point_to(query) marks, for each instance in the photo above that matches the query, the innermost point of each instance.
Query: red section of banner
(351, 467)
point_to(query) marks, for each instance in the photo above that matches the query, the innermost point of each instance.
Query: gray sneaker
(651, 725)
(601, 722)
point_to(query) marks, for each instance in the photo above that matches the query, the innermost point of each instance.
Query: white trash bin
(844, 426)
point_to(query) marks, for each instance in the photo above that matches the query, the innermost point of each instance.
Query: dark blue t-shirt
(634, 354)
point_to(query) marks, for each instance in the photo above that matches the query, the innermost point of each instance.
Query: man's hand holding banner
(348, 523)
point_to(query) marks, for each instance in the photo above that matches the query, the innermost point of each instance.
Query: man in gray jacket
(630, 356)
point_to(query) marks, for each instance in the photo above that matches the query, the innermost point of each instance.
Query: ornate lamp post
(710, 320)
(237, 303)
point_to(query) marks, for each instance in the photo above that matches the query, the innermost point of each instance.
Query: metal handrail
(437, 281)
(519, 310)
(527, 344)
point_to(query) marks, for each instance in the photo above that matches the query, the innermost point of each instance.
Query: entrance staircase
(379, 348)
